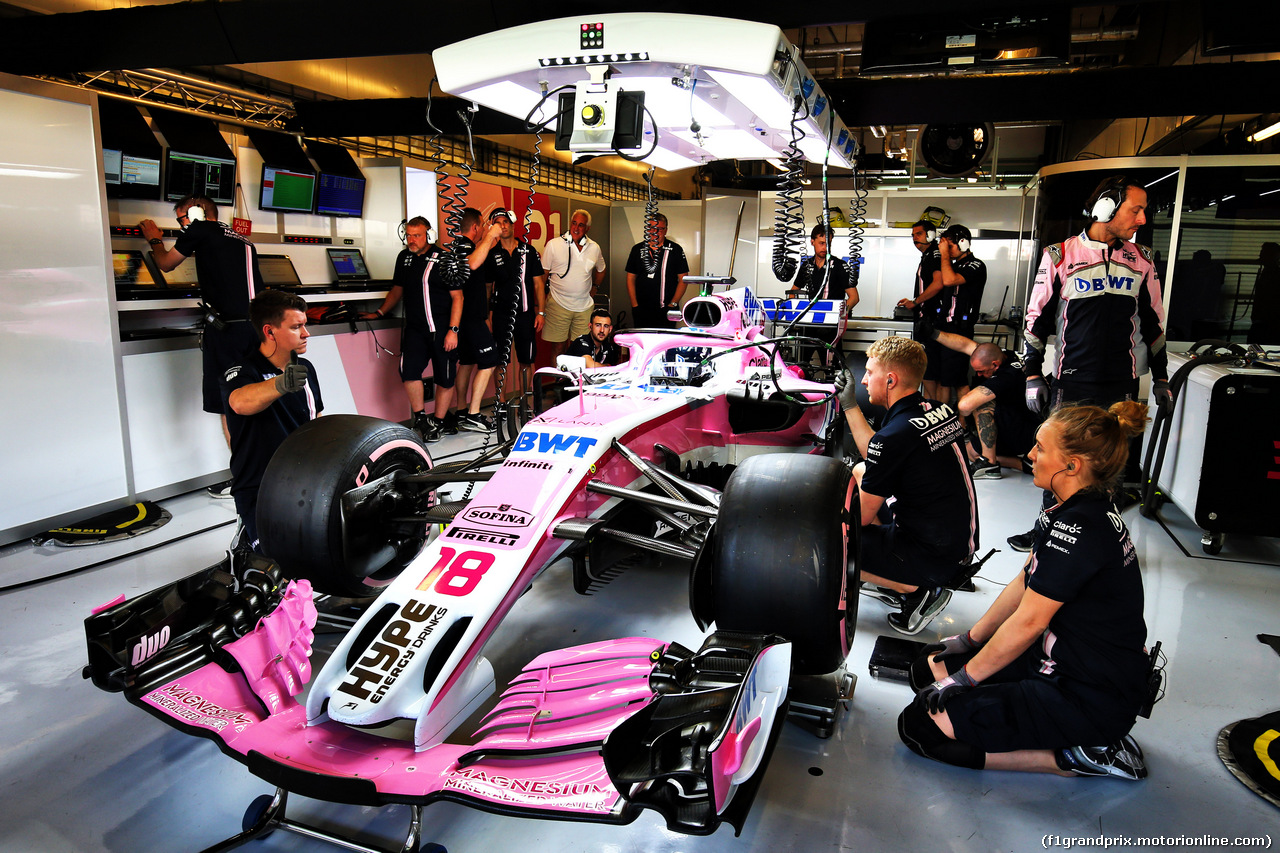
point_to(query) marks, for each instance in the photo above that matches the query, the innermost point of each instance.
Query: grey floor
(83, 771)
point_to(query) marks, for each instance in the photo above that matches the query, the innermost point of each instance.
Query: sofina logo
(503, 515)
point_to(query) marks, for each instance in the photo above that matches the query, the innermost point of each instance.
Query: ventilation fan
(955, 150)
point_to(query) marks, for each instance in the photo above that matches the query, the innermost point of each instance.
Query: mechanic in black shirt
(916, 457)
(998, 404)
(519, 306)
(268, 394)
(428, 315)
(227, 267)
(597, 347)
(1052, 677)
(655, 292)
(926, 302)
(825, 276)
(963, 279)
(477, 354)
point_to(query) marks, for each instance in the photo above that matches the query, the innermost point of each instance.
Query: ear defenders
(931, 234)
(963, 245)
(1107, 199)
(195, 213)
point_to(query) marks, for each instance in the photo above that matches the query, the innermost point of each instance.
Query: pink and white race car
(703, 447)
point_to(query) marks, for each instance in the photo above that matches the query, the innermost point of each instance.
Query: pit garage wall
(60, 408)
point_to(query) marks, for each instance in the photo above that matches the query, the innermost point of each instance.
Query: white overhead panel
(713, 88)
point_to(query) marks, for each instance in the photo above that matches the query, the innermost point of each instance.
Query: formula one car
(702, 448)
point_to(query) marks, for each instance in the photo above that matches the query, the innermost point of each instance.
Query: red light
(586, 27)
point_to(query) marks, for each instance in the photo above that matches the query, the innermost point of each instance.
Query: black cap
(957, 233)
(498, 211)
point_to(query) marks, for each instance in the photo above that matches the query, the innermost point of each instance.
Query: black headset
(1107, 198)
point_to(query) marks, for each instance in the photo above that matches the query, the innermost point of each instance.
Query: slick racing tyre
(302, 523)
(780, 556)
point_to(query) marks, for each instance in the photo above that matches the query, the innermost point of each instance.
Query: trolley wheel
(1211, 543)
(780, 561)
(254, 813)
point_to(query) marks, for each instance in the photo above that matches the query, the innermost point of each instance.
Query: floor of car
(85, 772)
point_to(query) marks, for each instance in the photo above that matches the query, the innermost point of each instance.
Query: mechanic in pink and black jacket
(1099, 293)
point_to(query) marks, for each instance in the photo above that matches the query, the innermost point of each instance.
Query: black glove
(934, 697)
(294, 377)
(953, 647)
(1162, 395)
(846, 390)
(1037, 394)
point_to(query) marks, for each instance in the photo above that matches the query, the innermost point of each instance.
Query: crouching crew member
(268, 395)
(1052, 677)
(914, 552)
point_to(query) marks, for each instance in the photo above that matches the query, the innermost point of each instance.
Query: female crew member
(1058, 659)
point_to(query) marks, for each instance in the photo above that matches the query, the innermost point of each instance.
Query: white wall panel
(172, 437)
(59, 405)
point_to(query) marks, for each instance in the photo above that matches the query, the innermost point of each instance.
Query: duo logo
(553, 443)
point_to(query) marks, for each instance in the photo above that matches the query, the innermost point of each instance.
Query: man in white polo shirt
(575, 267)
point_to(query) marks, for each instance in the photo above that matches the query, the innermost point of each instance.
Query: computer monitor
(183, 275)
(132, 271)
(286, 190)
(194, 174)
(129, 176)
(339, 195)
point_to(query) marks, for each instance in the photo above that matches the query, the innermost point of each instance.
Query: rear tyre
(780, 559)
(301, 520)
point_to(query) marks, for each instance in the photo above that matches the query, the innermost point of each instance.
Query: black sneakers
(475, 423)
(1122, 759)
(426, 426)
(983, 469)
(1023, 541)
(919, 608)
(221, 491)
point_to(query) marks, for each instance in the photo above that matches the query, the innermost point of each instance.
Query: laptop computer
(349, 268)
(182, 280)
(279, 271)
(137, 277)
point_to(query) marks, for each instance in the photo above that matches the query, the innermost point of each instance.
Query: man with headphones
(268, 395)
(656, 292)
(1099, 294)
(927, 302)
(915, 547)
(963, 279)
(227, 268)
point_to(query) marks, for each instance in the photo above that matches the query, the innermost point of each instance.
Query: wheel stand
(816, 700)
(266, 814)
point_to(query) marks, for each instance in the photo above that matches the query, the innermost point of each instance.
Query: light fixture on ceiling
(1266, 132)
(713, 88)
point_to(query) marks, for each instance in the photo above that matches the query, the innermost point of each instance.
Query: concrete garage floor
(83, 771)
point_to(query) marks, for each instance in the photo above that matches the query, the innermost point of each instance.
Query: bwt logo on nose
(1111, 282)
(547, 442)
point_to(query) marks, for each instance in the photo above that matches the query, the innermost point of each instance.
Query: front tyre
(780, 557)
(302, 522)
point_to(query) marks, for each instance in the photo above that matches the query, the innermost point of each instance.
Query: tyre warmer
(596, 732)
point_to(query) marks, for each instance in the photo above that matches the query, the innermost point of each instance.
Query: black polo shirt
(960, 304)
(602, 353)
(475, 296)
(226, 264)
(503, 269)
(1084, 558)
(1015, 423)
(916, 459)
(930, 262)
(440, 288)
(254, 438)
(841, 277)
(671, 265)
